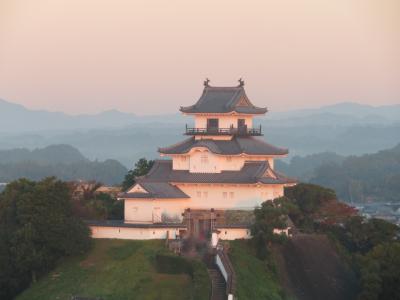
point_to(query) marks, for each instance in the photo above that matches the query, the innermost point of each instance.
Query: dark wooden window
(242, 128)
(212, 125)
(241, 123)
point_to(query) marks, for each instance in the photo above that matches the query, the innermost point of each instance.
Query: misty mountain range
(345, 128)
(17, 118)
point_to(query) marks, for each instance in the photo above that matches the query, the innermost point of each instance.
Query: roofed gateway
(223, 166)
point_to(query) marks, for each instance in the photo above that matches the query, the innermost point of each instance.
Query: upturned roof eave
(190, 144)
(190, 110)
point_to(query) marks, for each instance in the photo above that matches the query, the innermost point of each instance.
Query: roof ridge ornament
(207, 82)
(241, 82)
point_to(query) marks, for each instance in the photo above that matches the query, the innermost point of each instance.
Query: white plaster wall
(216, 163)
(225, 121)
(282, 231)
(213, 137)
(139, 210)
(234, 233)
(202, 196)
(101, 232)
(152, 210)
(198, 165)
(229, 196)
(180, 162)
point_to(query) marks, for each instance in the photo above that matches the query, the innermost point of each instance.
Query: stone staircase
(218, 291)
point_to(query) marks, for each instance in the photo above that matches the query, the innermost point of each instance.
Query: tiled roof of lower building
(156, 190)
(235, 146)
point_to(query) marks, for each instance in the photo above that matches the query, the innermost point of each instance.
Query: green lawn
(256, 279)
(118, 269)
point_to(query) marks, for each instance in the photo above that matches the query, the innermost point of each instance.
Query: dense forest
(366, 178)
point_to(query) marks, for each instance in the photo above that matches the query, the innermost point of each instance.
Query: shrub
(171, 264)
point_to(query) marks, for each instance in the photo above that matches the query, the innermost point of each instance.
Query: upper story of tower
(223, 111)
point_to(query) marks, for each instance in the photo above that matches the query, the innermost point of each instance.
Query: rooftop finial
(206, 82)
(241, 82)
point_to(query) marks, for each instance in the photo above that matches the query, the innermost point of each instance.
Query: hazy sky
(150, 57)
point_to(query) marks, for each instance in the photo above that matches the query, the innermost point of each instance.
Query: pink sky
(150, 57)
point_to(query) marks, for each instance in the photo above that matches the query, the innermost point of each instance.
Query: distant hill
(357, 112)
(62, 161)
(366, 178)
(17, 118)
(304, 167)
(52, 154)
(346, 129)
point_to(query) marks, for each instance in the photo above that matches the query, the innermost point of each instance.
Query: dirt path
(310, 269)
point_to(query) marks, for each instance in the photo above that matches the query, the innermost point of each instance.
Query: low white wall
(234, 233)
(128, 233)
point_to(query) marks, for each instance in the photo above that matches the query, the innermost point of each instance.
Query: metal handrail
(231, 280)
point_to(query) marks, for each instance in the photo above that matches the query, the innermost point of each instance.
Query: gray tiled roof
(156, 190)
(252, 172)
(237, 145)
(223, 100)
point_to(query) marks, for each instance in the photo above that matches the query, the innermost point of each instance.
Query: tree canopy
(37, 228)
(142, 167)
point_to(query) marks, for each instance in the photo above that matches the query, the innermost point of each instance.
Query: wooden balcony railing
(242, 131)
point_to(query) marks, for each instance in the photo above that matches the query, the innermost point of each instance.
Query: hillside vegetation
(119, 270)
(256, 278)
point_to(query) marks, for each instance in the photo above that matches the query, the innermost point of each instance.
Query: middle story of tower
(223, 163)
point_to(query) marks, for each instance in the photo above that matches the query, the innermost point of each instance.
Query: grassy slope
(114, 269)
(255, 278)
